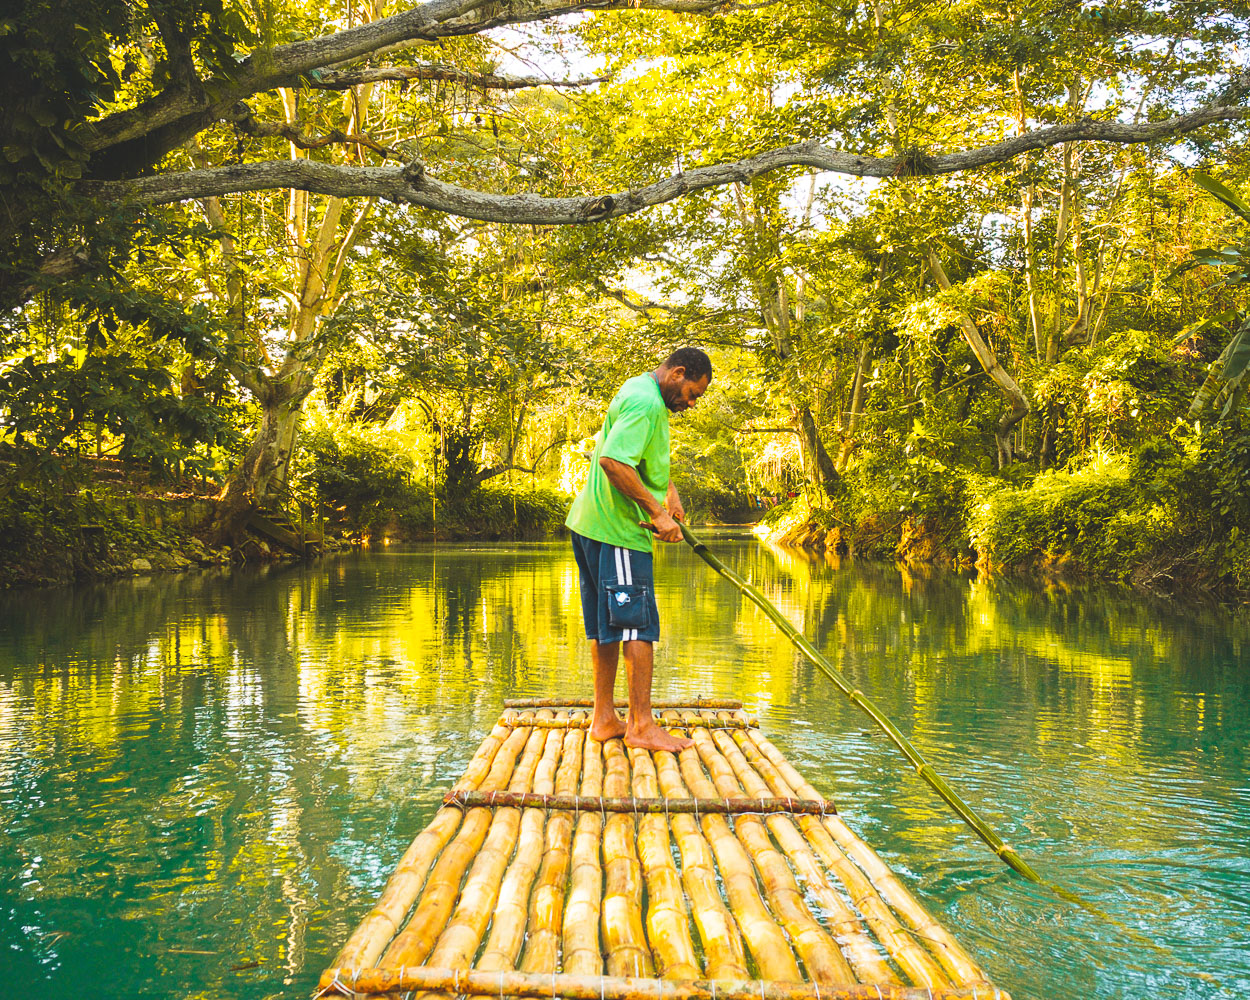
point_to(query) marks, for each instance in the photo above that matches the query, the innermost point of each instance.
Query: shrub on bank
(370, 489)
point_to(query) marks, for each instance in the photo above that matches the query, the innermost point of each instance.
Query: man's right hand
(665, 528)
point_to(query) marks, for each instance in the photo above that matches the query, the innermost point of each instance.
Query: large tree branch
(342, 79)
(412, 185)
(177, 114)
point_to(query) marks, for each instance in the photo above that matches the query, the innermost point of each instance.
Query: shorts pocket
(628, 606)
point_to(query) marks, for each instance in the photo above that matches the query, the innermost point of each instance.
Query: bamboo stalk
(624, 940)
(508, 925)
(582, 954)
(718, 932)
(371, 982)
(1007, 854)
(511, 718)
(824, 962)
(668, 923)
(379, 926)
(644, 805)
(461, 938)
(717, 703)
(856, 944)
(838, 845)
(414, 942)
(542, 945)
(764, 939)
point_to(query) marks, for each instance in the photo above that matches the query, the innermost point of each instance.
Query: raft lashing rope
(565, 867)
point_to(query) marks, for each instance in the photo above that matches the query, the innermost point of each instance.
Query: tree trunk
(972, 336)
(249, 484)
(850, 420)
(821, 472)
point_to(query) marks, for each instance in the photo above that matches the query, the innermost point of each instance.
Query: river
(205, 779)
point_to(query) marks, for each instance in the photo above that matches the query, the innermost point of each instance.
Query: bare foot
(610, 730)
(649, 736)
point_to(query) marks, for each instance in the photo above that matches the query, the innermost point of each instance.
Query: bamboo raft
(550, 871)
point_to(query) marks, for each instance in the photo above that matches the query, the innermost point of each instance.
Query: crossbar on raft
(346, 982)
(713, 703)
(595, 803)
(513, 719)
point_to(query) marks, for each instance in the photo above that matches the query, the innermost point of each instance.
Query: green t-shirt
(635, 432)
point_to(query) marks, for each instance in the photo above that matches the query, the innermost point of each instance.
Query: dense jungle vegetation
(973, 275)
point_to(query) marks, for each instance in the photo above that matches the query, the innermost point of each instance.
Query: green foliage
(1224, 389)
(499, 510)
(1107, 517)
(371, 488)
(365, 486)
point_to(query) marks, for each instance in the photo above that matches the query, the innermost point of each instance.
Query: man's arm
(673, 503)
(624, 479)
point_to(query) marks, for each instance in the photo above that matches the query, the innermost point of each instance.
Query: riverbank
(111, 520)
(1171, 564)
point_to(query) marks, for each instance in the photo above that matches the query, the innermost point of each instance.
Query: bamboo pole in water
(824, 962)
(624, 940)
(1007, 854)
(585, 987)
(414, 942)
(369, 939)
(542, 945)
(723, 954)
(639, 805)
(508, 925)
(668, 923)
(764, 939)
(582, 954)
(857, 945)
(874, 888)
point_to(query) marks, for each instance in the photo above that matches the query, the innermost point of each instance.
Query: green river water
(204, 780)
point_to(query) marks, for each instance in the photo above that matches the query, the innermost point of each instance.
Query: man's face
(679, 393)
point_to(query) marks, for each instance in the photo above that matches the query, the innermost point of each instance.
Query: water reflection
(204, 779)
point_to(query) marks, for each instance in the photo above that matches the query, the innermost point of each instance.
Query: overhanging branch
(342, 79)
(412, 185)
(285, 65)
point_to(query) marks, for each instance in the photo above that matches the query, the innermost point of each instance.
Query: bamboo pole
(668, 923)
(379, 926)
(874, 888)
(542, 945)
(513, 718)
(766, 941)
(624, 940)
(508, 925)
(415, 941)
(824, 962)
(722, 943)
(582, 954)
(461, 938)
(1007, 854)
(371, 982)
(856, 943)
(717, 703)
(644, 805)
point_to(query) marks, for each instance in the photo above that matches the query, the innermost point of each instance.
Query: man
(628, 497)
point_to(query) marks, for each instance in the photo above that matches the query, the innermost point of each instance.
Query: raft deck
(551, 872)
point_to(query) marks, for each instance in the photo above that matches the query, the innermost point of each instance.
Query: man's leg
(605, 724)
(641, 729)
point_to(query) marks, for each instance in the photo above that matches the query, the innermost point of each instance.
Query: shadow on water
(205, 779)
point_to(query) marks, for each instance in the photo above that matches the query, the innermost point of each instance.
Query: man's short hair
(697, 364)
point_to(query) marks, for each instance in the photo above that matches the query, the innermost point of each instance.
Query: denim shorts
(618, 592)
